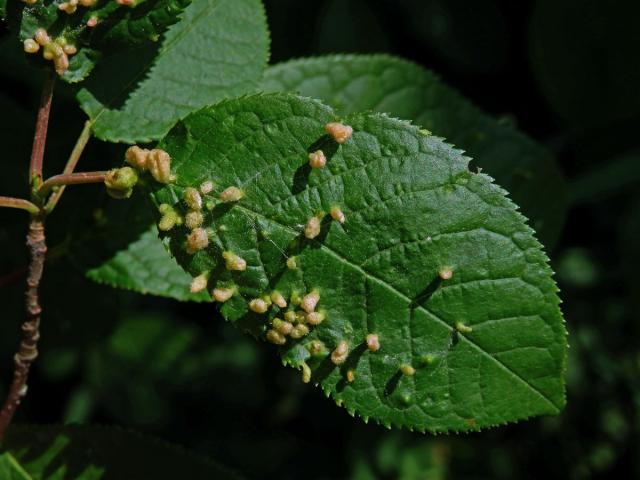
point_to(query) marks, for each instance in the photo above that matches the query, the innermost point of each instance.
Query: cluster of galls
(198, 237)
(296, 323)
(57, 50)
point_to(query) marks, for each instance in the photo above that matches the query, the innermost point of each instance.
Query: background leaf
(218, 49)
(92, 453)
(381, 83)
(412, 207)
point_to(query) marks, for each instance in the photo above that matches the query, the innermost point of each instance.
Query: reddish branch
(71, 179)
(10, 202)
(28, 351)
(42, 122)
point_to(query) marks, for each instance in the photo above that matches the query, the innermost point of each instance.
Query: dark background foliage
(566, 72)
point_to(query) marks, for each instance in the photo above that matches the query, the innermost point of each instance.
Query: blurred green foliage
(178, 372)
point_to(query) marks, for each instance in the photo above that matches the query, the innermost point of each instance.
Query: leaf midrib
(398, 293)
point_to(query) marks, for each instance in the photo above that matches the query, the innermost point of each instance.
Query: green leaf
(92, 453)
(488, 345)
(352, 83)
(219, 48)
(3, 9)
(146, 267)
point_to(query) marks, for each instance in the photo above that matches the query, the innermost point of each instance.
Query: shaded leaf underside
(412, 207)
(357, 83)
(146, 267)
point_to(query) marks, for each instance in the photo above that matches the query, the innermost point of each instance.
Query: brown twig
(28, 351)
(63, 179)
(10, 202)
(40, 136)
(76, 153)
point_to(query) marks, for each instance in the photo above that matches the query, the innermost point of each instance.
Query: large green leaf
(488, 345)
(93, 453)
(146, 267)
(219, 48)
(352, 83)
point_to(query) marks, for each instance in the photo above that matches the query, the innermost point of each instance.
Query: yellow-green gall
(234, 262)
(170, 218)
(299, 331)
(206, 187)
(295, 297)
(317, 159)
(312, 228)
(315, 347)
(193, 219)
(121, 178)
(278, 299)
(137, 157)
(291, 263)
(120, 182)
(463, 328)
(223, 294)
(373, 342)
(199, 283)
(337, 215)
(283, 327)
(258, 305)
(445, 273)
(407, 369)
(42, 37)
(315, 318)
(351, 376)
(340, 353)
(192, 198)
(31, 46)
(276, 337)
(231, 194)
(306, 373)
(310, 300)
(159, 165)
(197, 240)
(290, 316)
(338, 131)
(68, 7)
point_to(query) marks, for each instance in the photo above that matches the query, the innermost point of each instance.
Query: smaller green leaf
(101, 29)
(97, 453)
(219, 48)
(146, 267)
